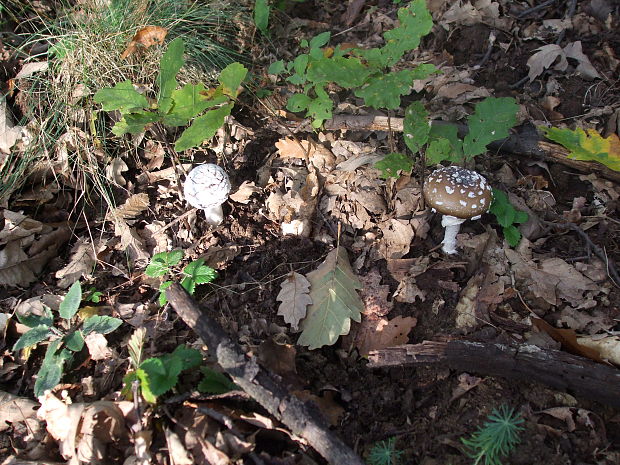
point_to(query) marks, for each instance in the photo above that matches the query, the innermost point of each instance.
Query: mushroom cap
(206, 186)
(458, 192)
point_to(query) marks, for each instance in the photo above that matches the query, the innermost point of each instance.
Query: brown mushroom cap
(458, 192)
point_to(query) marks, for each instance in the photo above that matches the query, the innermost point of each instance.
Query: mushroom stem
(214, 215)
(452, 225)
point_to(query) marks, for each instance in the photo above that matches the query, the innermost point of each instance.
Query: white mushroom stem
(214, 215)
(452, 225)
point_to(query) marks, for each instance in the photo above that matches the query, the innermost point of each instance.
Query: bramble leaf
(334, 301)
(122, 97)
(158, 375)
(197, 273)
(203, 128)
(393, 163)
(190, 358)
(491, 121)
(162, 262)
(71, 302)
(588, 146)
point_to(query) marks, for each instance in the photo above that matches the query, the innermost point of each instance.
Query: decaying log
(525, 141)
(554, 368)
(260, 384)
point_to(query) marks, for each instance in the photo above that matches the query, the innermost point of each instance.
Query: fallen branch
(554, 368)
(523, 142)
(260, 384)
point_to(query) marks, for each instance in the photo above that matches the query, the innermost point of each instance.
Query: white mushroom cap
(458, 192)
(207, 187)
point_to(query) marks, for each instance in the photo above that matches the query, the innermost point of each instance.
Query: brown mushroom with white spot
(458, 194)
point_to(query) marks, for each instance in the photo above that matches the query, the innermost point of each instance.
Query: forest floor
(489, 292)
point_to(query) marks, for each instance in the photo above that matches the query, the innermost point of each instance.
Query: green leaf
(261, 15)
(415, 22)
(190, 358)
(31, 320)
(320, 108)
(449, 132)
(507, 216)
(276, 67)
(203, 128)
(159, 375)
(320, 40)
(134, 123)
(101, 324)
(491, 121)
(439, 150)
(334, 301)
(300, 63)
(161, 262)
(215, 382)
(346, 72)
(512, 235)
(588, 146)
(51, 368)
(393, 163)
(197, 273)
(32, 337)
(231, 78)
(122, 97)
(170, 64)
(298, 102)
(163, 300)
(74, 341)
(416, 127)
(71, 302)
(188, 102)
(385, 91)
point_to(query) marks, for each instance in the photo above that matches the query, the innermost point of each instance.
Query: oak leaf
(294, 297)
(145, 37)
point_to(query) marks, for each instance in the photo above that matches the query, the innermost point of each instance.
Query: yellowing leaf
(294, 297)
(588, 146)
(334, 301)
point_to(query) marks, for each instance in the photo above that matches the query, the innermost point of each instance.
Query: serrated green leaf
(276, 67)
(261, 15)
(159, 375)
(588, 146)
(188, 102)
(215, 382)
(122, 97)
(31, 320)
(163, 300)
(134, 123)
(300, 63)
(101, 324)
(512, 235)
(320, 40)
(415, 22)
(32, 337)
(203, 128)
(135, 345)
(162, 262)
(71, 302)
(74, 341)
(145, 387)
(231, 78)
(393, 163)
(190, 358)
(449, 132)
(416, 127)
(346, 72)
(298, 102)
(507, 216)
(197, 273)
(491, 121)
(334, 301)
(385, 91)
(170, 64)
(439, 150)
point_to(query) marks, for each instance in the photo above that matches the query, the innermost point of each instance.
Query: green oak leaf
(122, 97)
(170, 64)
(203, 128)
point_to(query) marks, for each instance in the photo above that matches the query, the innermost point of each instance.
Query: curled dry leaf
(245, 191)
(82, 262)
(295, 298)
(145, 37)
(15, 409)
(376, 334)
(133, 206)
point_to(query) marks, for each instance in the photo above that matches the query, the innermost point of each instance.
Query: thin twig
(536, 8)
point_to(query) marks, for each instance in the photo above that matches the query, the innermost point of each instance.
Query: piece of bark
(259, 384)
(524, 141)
(554, 368)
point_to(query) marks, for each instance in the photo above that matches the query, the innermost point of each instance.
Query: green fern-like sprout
(384, 453)
(497, 438)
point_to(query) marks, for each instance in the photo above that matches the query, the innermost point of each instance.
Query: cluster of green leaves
(175, 107)
(157, 375)
(366, 72)
(507, 216)
(491, 121)
(385, 453)
(496, 438)
(65, 341)
(164, 263)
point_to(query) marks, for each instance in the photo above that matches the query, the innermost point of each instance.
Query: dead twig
(260, 384)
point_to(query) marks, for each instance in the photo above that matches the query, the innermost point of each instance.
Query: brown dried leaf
(317, 154)
(155, 153)
(295, 298)
(145, 37)
(82, 262)
(568, 339)
(607, 347)
(97, 346)
(15, 409)
(114, 169)
(374, 295)
(330, 409)
(376, 334)
(245, 191)
(544, 58)
(133, 206)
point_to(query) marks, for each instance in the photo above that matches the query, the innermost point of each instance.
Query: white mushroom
(207, 187)
(458, 194)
